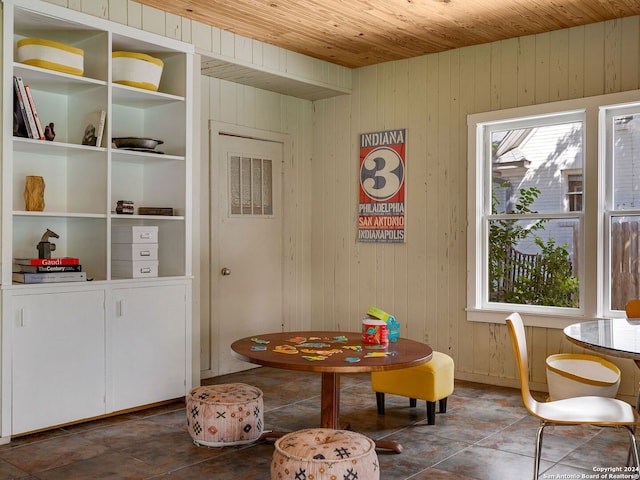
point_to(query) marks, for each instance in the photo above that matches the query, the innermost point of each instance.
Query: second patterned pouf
(223, 415)
(325, 454)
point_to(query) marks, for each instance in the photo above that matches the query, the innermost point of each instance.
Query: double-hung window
(554, 210)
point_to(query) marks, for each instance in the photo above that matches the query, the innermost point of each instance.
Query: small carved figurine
(49, 134)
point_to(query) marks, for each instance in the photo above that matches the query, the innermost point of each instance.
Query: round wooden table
(351, 356)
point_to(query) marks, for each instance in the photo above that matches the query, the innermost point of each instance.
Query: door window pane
(250, 186)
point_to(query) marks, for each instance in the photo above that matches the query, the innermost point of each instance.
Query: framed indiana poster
(382, 184)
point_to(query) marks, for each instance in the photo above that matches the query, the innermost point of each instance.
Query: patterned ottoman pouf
(325, 454)
(222, 415)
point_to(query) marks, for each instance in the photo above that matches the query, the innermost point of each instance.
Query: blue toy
(393, 327)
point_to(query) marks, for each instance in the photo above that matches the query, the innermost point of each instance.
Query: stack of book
(26, 122)
(48, 270)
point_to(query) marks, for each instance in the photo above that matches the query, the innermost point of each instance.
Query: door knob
(225, 271)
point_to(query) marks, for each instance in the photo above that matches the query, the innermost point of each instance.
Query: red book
(47, 261)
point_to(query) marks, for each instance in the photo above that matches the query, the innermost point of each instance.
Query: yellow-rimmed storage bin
(579, 375)
(137, 70)
(52, 55)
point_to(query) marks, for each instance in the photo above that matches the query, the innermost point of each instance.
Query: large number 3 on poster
(381, 173)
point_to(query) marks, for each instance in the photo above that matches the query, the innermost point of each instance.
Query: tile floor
(485, 434)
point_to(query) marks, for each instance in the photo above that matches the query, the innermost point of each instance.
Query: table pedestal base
(330, 409)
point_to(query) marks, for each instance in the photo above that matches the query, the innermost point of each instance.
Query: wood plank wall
(331, 279)
(423, 282)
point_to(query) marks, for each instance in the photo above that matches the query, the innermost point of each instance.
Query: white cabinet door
(58, 361)
(147, 350)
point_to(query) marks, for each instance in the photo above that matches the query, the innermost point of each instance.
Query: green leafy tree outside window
(547, 279)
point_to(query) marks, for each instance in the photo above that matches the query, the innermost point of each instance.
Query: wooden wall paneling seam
(462, 354)
(329, 205)
(444, 199)
(319, 216)
(173, 26)
(431, 208)
(594, 51)
(559, 78)
(118, 11)
(612, 55)
(526, 62)
(367, 284)
(509, 69)
(353, 171)
(343, 215)
(630, 68)
(304, 234)
(576, 62)
(401, 258)
(153, 20)
(387, 97)
(316, 185)
(457, 212)
(483, 80)
(541, 90)
(414, 321)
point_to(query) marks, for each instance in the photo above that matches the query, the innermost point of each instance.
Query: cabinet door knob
(225, 271)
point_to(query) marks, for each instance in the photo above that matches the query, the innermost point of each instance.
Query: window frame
(596, 171)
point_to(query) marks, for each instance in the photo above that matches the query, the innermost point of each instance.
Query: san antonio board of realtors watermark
(382, 185)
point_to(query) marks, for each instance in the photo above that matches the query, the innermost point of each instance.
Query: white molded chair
(602, 411)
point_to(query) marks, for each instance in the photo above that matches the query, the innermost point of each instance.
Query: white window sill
(559, 320)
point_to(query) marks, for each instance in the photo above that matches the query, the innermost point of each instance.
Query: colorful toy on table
(289, 349)
(259, 340)
(393, 326)
(380, 354)
(326, 353)
(374, 331)
(355, 348)
(394, 329)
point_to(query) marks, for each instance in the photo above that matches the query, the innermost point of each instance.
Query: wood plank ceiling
(357, 33)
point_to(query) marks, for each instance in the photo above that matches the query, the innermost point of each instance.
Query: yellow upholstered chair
(431, 381)
(633, 308)
(603, 411)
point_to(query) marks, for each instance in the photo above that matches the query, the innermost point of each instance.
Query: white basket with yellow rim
(578, 375)
(51, 55)
(136, 70)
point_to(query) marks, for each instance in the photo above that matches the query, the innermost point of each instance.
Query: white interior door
(246, 266)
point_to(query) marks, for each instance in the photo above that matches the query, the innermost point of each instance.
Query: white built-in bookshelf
(119, 342)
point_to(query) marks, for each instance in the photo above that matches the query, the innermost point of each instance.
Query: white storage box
(131, 269)
(51, 55)
(134, 251)
(576, 375)
(137, 70)
(134, 234)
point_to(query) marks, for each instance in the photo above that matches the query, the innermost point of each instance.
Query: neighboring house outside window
(546, 213)
(573, 197)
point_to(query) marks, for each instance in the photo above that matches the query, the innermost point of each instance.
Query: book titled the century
(47, 261)
(51, 277)
(46, 268)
